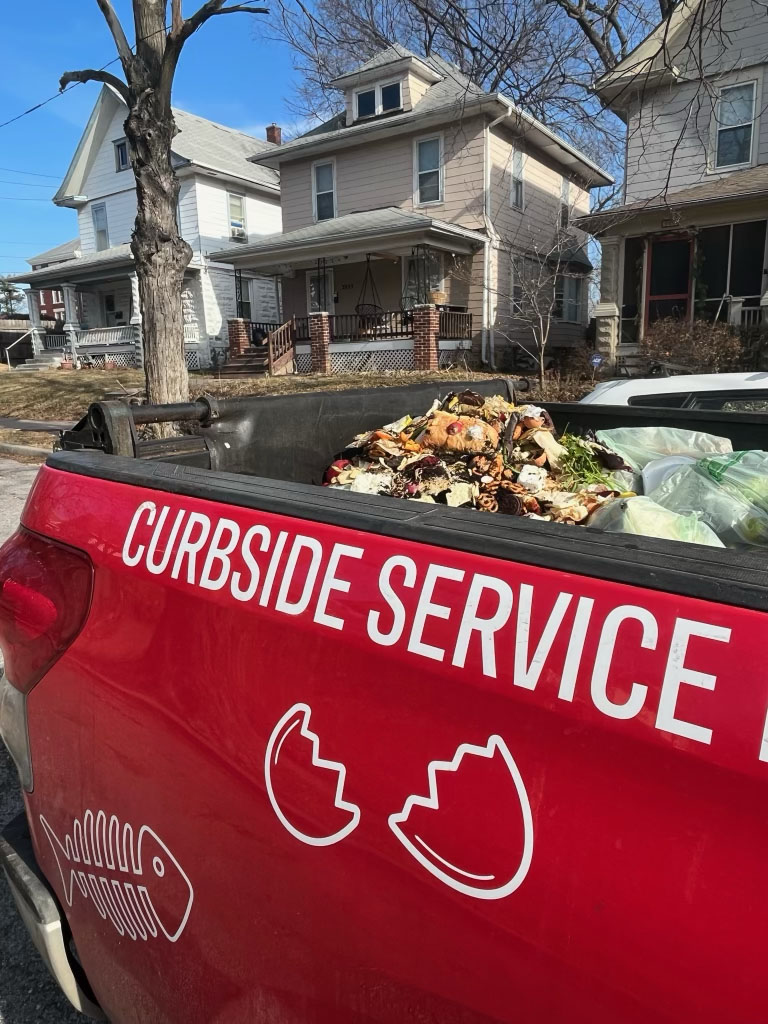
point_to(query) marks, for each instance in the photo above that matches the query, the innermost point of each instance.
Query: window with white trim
(100, 228)
(735, 118)
(122, 157)
(569, 298)
(429, 170)
(56, 297)
(565, 204)
(238, 231)
(516, 193)
(324, 190)
(381, 99)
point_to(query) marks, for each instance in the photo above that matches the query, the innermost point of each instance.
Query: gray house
(689, 239)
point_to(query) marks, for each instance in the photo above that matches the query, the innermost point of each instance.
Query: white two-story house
(225, 199)
(689, 239)
(423, 189)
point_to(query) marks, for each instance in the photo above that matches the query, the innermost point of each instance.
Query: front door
(669, 279)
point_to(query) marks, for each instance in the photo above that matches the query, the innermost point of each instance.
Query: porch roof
(750, 183)
(353, 234)
(72, 270)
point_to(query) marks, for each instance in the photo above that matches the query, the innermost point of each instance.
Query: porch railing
(106, 336)
(191, 332)
(370, 327)
(54, 341)
(261, 328)
(455, 325)
(280, 347)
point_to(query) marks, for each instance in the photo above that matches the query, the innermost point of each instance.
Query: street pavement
(28, 994)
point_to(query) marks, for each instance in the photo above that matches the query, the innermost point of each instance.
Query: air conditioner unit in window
(239, 234)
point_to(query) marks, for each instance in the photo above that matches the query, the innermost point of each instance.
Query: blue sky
(230, 72)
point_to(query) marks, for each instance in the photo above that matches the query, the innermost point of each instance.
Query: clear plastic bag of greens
(728, 492)
(644, 518)
(639, 445)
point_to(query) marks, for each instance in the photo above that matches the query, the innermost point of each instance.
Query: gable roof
(200, 143)
(58, 254)
(652, 59)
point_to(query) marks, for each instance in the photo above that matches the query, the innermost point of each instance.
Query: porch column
(138, 338)
(607, 311)
(239, 337)
(426, 327)
(71, 322)
(33, 305)
(320, 342)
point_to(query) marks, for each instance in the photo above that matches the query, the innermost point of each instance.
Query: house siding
(262, 213)
(670, 130)
(380, 174)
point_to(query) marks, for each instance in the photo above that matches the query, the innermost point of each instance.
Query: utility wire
(33, 174)
(25, 199)
(28, 184)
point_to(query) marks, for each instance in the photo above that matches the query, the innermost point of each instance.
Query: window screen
(747, 253)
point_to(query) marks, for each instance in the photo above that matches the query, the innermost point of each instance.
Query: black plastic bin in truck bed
(270, 452)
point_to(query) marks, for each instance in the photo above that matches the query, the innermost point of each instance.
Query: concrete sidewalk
(51, 426)
(15, 482)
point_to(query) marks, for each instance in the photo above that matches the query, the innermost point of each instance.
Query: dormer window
(382, 99)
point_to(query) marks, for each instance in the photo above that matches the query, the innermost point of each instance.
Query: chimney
(274, 134)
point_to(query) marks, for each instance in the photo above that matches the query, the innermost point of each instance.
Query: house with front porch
(224, 199)
(420, 192)
(689, 238)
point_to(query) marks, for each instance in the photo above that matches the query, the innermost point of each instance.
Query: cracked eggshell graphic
(474, 829)
(306, 790)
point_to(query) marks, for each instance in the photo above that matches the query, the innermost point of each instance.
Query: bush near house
(701, 347)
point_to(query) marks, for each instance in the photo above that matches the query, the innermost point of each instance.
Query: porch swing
(368, 302)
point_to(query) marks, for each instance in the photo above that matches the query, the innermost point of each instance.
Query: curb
(6, 447)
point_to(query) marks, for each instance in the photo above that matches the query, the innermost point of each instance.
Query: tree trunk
(160, 254)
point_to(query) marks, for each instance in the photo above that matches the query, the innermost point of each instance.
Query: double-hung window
(324, 190)
(381, 99)
(100, 229)
(429, 170)
(122, 158)
(735, 119)
(237, 229)
(569, 297)
(516, 194)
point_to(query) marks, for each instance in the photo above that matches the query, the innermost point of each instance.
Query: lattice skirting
(124, 359)
(384, 359)
(303, 362)
(193, 360)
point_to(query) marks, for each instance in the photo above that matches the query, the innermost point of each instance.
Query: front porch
(102, 323)
(368, 273)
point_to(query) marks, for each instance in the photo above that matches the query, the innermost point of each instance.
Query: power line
(24, 199)
(28, 184)
(32, 174)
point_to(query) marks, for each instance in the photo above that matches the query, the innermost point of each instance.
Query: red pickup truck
(295, 755)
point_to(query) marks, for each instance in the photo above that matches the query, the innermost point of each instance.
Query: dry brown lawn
(66, 394)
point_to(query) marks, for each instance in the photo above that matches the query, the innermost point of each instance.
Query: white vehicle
(729, 392)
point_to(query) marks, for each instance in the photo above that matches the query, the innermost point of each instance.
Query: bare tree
(160, 253)
(547, 282)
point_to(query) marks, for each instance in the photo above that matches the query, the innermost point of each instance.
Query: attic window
(366, 103)
(122, 159)
(380, 100)
(735, 118)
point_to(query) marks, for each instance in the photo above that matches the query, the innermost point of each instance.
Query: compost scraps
(488, 454)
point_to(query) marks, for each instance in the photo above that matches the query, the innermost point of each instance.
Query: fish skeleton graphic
(138, 884)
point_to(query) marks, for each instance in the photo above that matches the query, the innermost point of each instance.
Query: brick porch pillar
(426, 327)
(320, 342)
(239, 337)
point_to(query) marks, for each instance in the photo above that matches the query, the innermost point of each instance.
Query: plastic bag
(657, 471)
(639, 445)
(645, 518)
(729, 493)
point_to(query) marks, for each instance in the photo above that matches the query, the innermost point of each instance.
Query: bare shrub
(701, 347)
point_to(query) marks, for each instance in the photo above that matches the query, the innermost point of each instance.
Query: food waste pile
(489, 454)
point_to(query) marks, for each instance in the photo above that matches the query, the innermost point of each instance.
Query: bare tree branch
(94, 75)
(209, 10)
(113, 22)
(176, 16)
